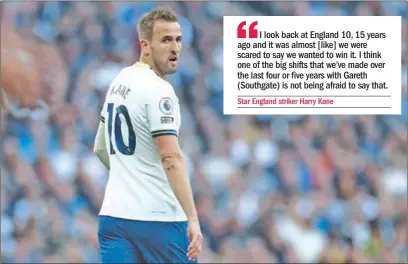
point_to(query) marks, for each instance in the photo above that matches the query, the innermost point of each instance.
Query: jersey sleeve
(102, 118)
(103, 110)
(163, 112)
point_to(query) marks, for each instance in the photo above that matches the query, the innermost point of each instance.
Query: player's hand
(196, 239)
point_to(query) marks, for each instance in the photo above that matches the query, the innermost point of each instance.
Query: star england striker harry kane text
(148, 212)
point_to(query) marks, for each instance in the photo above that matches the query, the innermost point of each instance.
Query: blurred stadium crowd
(268, 188)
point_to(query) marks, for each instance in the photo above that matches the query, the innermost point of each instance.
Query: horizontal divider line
(314, 96)
(314, 107)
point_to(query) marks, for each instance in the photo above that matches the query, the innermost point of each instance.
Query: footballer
(148, 212)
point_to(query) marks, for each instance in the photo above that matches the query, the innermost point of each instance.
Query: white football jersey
(139, 106)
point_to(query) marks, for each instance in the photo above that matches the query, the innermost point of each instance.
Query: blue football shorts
(132, 241)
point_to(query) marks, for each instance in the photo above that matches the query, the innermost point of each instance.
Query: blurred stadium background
(268, 188)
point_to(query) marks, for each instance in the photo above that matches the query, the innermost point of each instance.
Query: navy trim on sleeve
(164, 132)
(103, 119)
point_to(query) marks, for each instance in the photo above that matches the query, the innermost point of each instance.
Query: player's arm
(163, 113)
(100, 144)
(175, 167)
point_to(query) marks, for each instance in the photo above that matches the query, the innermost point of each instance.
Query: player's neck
(147, 61)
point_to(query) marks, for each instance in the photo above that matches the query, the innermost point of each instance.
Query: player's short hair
(146, 23)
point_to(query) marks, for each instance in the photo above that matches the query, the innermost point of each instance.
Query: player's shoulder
(143, 78)
(134, 74)
(158, 85)
(162, 87)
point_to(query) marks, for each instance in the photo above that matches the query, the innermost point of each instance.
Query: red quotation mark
(241, 32)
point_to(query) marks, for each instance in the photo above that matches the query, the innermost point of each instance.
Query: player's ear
(144, 46)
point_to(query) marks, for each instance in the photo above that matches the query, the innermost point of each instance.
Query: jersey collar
(142, 64)
(139, 63)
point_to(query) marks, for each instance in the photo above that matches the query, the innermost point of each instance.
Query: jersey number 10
(117, 124)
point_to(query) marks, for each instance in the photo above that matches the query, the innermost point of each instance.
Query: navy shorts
(132, 241)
